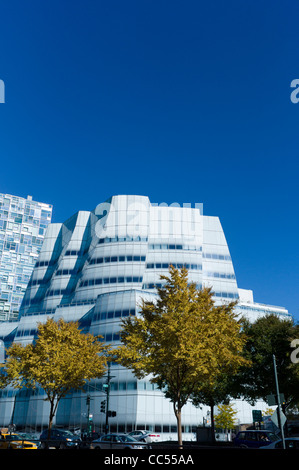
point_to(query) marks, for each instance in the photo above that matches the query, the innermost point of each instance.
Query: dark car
(60, 439)
(254, 438)
(87, 438)
(293, 429)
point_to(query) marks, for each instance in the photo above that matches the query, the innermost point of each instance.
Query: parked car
(290, 443)
(30, 436)
(92, 436)
(117, 441)
(87, 438)
(293, 428)
(254, 438)
(144, 436)
(60, 439)
(15, 441)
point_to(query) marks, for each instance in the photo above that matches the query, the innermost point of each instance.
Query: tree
(267, 336)
(181, 341)
(61, 359)
(225, 418)
(212, 395)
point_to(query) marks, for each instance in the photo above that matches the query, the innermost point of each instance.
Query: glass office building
(95, 268)
(23, 224)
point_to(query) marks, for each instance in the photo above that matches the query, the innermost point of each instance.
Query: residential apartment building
(23, 224)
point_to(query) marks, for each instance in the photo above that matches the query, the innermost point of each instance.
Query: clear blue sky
(181, 101)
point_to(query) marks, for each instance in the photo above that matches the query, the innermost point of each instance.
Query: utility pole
(106, 387)
(88, 413)
(278, 403)
(108, 396)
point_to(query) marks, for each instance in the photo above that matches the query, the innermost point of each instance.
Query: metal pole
(278, 403)
(107, 402)
(88, 412)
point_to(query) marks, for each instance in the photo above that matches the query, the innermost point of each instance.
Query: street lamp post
(278, 403)
(88, 412)
(106, 388)
(105, 403)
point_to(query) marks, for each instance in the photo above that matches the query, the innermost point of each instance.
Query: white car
(290, 442)
(117, 441)
(144, 436)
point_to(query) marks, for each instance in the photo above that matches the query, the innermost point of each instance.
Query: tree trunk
(178, 414)
(212, 420)
(53, 408)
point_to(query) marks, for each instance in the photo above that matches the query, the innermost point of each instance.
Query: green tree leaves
(182, 341)
(61, 359)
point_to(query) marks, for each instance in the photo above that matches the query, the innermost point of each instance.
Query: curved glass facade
(95, 268)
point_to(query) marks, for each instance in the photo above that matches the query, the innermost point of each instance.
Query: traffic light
(103, 406)
(111, 414)
(88, 400)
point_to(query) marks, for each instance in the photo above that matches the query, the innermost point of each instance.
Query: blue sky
(181, 101)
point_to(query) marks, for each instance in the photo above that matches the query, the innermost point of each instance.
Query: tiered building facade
(95, 268)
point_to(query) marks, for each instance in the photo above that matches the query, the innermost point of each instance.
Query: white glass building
(94, 269)
(23, 224)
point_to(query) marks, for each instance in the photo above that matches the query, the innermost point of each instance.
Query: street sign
(274, 418)
(257, 416)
